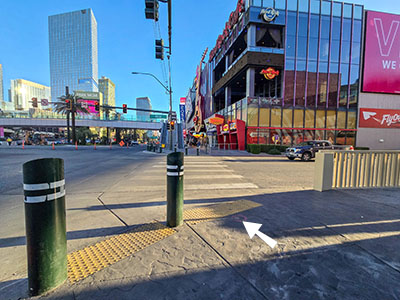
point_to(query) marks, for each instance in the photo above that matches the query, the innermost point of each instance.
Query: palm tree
(107, 110)
(64, 107)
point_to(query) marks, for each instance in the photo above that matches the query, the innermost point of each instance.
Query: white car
(134, 143)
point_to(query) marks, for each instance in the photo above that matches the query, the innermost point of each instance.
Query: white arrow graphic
(253, 229)
(367, 115)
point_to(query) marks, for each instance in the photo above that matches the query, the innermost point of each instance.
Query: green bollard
(175, 189)
(46, 238)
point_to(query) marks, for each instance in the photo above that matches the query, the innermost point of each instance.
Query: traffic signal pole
(151, 12)
(68, 112)
(169, 69)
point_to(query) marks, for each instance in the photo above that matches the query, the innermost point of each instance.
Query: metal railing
(357, 169)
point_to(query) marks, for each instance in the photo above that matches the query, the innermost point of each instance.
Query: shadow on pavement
(268, 160)
(72, 235)
(338, 272)
(146, 204)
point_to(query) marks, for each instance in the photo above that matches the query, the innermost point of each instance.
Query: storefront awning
(217, 120)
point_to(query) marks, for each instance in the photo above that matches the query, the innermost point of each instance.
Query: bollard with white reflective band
(46, 239)
(175, 171)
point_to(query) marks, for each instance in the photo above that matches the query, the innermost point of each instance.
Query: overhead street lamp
(169, 91)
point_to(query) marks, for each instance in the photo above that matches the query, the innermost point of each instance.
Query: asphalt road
(80, 164)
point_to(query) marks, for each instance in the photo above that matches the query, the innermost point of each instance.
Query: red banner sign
(379, 118)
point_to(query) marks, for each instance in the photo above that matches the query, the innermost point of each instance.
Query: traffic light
(172, 125)
(68, 103)
(124, 108)
(34, 102)
(96, 106)
(151, 10)
(168, 126)
(160, 49)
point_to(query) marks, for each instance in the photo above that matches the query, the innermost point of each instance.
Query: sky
(125, 41)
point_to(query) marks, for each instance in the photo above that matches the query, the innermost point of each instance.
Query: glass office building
(73, 52)
(289, 69)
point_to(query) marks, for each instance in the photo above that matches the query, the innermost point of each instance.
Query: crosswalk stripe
(195, 166)
(227, 186)
(193, 176)
(195, 163)
(194, 187)
(195, 170)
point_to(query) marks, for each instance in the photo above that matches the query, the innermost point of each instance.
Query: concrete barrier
(356, 169)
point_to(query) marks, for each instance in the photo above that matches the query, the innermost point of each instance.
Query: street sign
(44, 102)
(173, 115)
(158, 116)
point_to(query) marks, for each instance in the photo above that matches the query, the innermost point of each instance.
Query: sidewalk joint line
(110, 210)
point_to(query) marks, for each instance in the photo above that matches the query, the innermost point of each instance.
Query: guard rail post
(175, 167)
(46, 239)
(323, 171)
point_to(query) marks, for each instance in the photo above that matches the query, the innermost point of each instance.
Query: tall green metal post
(175, 189)
(45, 224)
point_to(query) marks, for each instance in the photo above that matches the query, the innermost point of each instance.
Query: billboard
(182, 109)
(379, 118)
(90, 105)
(382, 53)
(90, 98)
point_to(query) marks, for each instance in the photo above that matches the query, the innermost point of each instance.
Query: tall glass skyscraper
(1, 84)
(73, 52)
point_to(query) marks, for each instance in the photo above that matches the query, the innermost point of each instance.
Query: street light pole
(169, 91)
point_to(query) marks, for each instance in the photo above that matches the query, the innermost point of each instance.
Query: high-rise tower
(73, 52)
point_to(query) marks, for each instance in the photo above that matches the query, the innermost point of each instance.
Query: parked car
(306, 150)
(134, 143)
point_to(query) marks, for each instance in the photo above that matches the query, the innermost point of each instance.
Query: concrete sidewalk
(331, 245)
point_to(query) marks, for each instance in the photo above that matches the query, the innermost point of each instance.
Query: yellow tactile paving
(202, 214)
(89, 260)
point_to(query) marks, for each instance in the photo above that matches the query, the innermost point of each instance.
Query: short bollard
(154, 148)
(46, 238)
(186, 150)
(198, 151)
(160, 149)
(175, 189)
